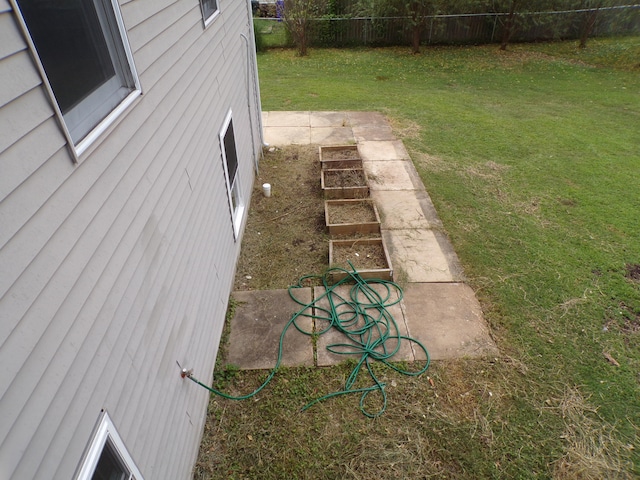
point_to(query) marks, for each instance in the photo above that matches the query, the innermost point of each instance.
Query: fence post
(493, 32)
(430, 30)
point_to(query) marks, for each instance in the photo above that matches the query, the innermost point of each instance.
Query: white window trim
(77, 149)
(106, 431)
(208, 21)
(238, 214)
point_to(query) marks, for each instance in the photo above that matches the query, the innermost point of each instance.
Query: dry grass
(593, 452)
(344, 178)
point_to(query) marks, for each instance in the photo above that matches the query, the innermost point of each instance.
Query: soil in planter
(345, 154)
(344, 178)
(352, 212)
(363, 257)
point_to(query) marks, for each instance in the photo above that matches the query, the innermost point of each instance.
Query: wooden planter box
(350, 217)
(344, 183)
(379, 266)
(336, 164)
(339, 152)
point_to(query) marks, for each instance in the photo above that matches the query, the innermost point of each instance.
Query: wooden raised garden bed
(350, 217)
(344, 183)
(341, 156)
(369, 256)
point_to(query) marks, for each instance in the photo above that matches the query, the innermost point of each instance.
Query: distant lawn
(271, 31)
(532, 158)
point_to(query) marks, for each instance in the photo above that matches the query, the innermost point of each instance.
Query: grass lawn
(532, 159)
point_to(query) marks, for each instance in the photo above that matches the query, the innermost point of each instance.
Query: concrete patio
(438, 308)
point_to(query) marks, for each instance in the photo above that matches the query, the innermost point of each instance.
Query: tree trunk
(587, 27)
(415, 39)
(302, 47)
(509, 26)
(300, 37)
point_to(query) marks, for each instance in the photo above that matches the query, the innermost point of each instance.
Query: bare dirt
(285, 234)
(340, 154)
(352, 212)
(361, 255)
(633, 271)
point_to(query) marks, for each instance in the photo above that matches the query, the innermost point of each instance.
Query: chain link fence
(479, 28)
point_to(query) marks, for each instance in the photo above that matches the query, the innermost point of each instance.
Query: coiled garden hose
(369, 329)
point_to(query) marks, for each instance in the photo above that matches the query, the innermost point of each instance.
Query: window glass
(110, 466)
(209, 7)
(107, 457)
(230, 151)
(230, 162)
(80, 46)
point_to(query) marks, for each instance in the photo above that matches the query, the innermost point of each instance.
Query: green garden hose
(369, 329)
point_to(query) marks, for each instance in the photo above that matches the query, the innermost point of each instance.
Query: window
(230, 163)
(107, 457)
(209, 10)
(86, 61)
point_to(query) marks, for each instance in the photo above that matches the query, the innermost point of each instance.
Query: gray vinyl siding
(116, 267)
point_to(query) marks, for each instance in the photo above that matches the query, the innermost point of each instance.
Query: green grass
(532, 159)
(272, 32)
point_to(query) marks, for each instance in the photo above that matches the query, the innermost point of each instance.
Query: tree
(513, 14)
(509, 25)
(418, 12)
(297, 15)
(590, 16)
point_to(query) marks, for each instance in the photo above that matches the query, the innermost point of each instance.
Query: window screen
(82, 51)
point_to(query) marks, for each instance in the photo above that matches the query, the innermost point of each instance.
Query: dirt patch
(363, 256)
(352, 212)
(285, 234)
(632, 271)
(344, 178)
(342, 154)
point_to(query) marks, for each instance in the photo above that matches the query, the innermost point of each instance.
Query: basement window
(107, 458)
(84, 57)
(209, 10)
(230, 164)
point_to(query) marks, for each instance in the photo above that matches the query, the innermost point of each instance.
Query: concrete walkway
(438, 308)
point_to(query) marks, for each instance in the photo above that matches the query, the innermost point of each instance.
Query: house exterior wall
(118, 266)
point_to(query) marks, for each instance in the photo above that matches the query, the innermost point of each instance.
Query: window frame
(234, 189)
(208, 20)
(104, 433)
(108, 115)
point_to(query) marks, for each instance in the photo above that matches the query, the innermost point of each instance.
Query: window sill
(83, 145)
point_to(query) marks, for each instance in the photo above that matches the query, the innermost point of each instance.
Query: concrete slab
(258, 324)
(334, 336)
(392, 175)
(360, 119)
(329, 119)
(402, 209)
(287, 119)
(445, 316)
(383, 150)
(373, 132)
(281, 136)
(332, 136)
(417, 254)
(447, 319)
